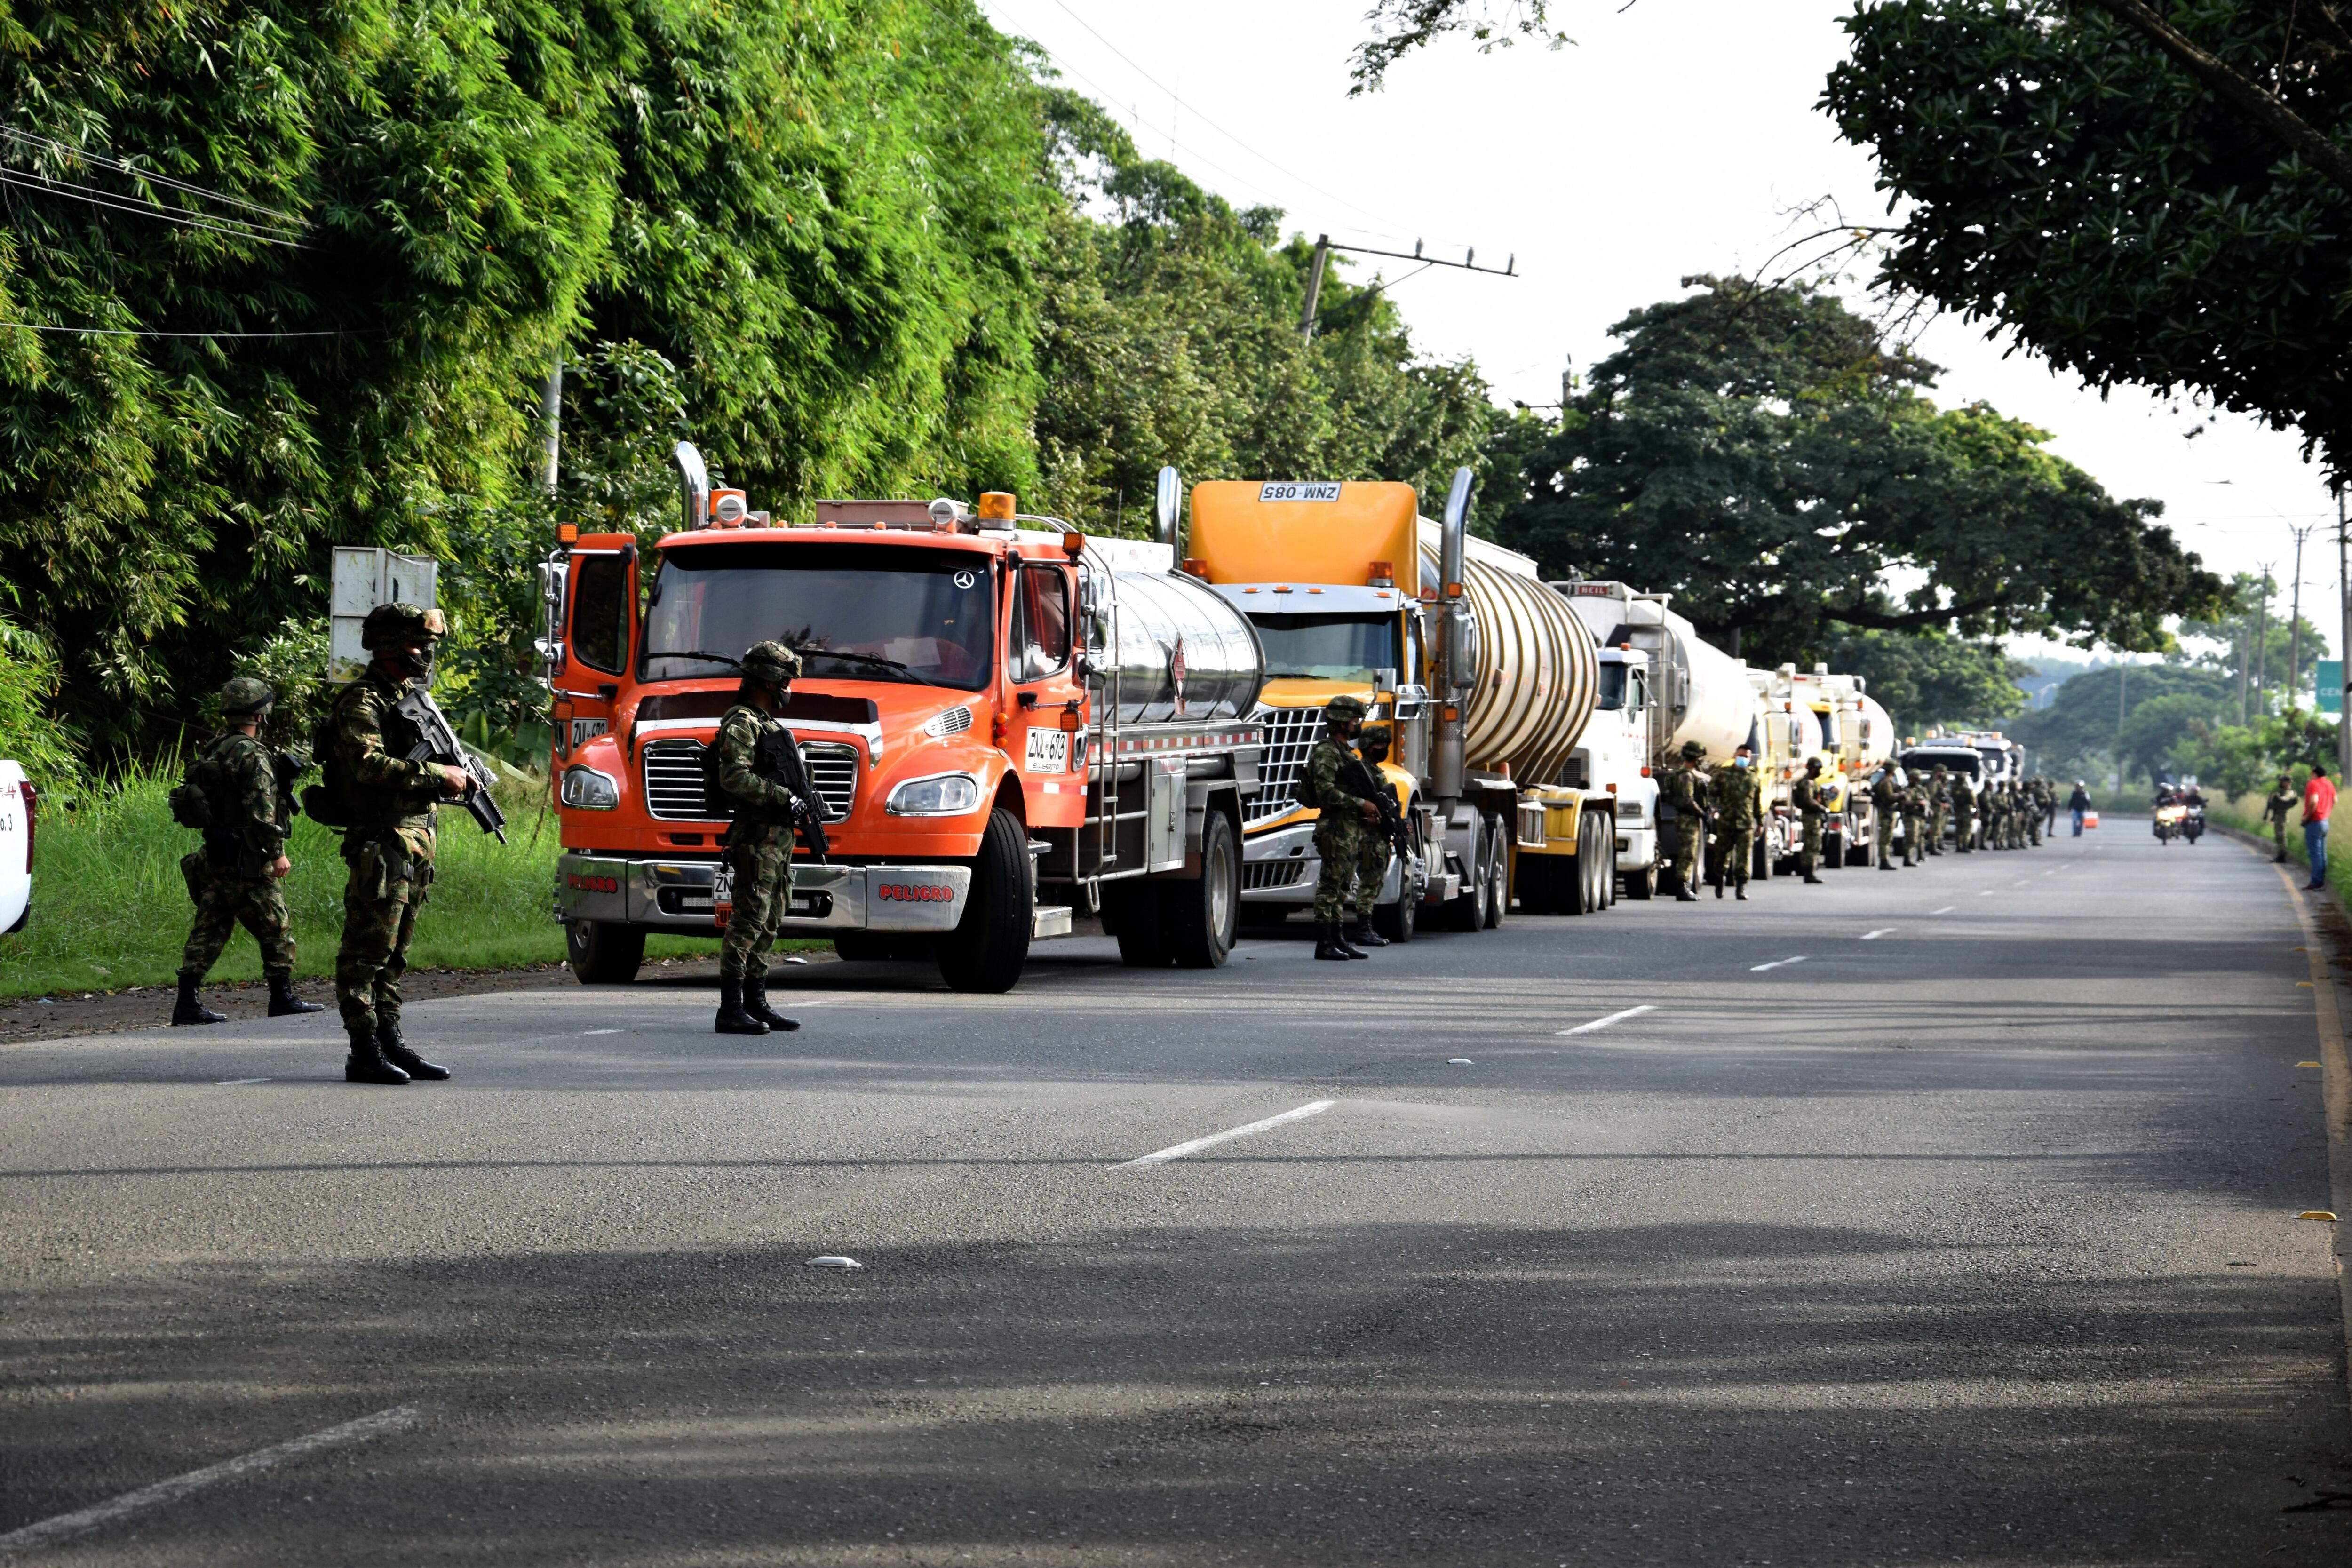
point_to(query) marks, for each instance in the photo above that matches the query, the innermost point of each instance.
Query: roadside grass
(111, 910)
(2245, 813)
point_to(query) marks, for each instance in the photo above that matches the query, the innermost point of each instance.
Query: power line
(233, 228)
(12, 134)
(140, 332)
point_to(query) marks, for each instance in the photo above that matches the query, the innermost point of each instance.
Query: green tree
(1764, 455)
(2088, 721)
(2119, 212)
(2257, 644)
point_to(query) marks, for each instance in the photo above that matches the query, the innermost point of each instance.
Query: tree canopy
(2059, 172)
(1766, 456)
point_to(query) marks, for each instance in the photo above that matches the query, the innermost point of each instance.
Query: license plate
(722, 886)
(1296, 489)
(1049, 752)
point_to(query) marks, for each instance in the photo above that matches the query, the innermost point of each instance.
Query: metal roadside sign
(2328, 686)
(364, 577)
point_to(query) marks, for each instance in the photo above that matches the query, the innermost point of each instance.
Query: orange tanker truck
(1009, 723)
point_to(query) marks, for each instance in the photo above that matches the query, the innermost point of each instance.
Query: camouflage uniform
(758, 846)
(1964, 813)
(1348, 845)
(1939, 809)
(229, 878)
(2276, 807)
(1915, 824)
(1684, 789)
(1882, 811)
(388, 800)
(2033, 809)
(1805, 794)
(1736, 797)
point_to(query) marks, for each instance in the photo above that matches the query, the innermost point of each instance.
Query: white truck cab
(18, 801)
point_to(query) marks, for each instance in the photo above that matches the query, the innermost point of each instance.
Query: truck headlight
(942, 794)
(586, 789)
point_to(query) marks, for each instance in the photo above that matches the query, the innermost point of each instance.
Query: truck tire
(1397, 921)
(1200, 918)
(1609, 873)
(985, 952)
(1762, 871)
(1643, 884)
(1496, 901)
(601, 952)
(1133, 909)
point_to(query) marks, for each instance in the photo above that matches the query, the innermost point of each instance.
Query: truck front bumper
(1281, 866)
(675, 895)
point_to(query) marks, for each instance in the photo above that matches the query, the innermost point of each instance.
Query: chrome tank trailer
(1532, 673)
(1172, 649)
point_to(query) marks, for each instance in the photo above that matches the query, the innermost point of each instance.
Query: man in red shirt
(2318, 800)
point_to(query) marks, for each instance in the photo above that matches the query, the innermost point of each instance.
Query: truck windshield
(886, 612)
(1612, 692)
(1328, 648)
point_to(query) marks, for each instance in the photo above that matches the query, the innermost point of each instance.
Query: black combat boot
(1741, 892)
(1362, 935)
(755, 1003)
(1326, 942)
(188, 1010)
(282, 1000)
(732, 1019)
(1814, 881)
(1340, 935)
(366, 1063)
(1683, 893)
(1719, 888)
(395, 1051)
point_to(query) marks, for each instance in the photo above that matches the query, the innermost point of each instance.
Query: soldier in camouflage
(1372, 858)
(1884, 809)
(1939, 807)
(2033, 812)
(1737, 800)
(759, 843)
(1914, 822)
(2276, 807)
(235, 877)
(386, 802)
(1805, 794)
(1683, 792)
(1964, 814)
(1346, 820)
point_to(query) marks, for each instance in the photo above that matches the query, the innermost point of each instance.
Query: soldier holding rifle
(759, 770)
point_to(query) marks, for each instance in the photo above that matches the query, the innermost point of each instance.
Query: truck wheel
(1761, 871)
(1608, 875)
(1199, 918)
(1398, 921)
(601, 952)
(1643, 884)
(1495, 900)
(1134, 910)
(986, 951)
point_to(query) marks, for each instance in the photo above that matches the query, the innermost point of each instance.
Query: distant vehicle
(19, 802)
(2169, 817)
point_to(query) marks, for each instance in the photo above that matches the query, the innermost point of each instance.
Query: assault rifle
(1357, 775)
(437, 744)
(780, 764)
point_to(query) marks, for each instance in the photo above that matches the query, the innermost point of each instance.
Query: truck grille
(1291, 735)
(1260, 874)
(674, 790)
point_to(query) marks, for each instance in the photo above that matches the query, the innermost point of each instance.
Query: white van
(17, 800)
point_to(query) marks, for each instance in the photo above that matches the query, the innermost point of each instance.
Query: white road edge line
(70, 1524)
(234, 1082)
(1178, 1151)
(1776, 963)
(1612, 1018)
(1882, 930)
(585, 1032)
(1948, 908)
(1988, 892)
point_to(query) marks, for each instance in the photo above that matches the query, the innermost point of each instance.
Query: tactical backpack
(190, 806)
(717, 804)
(323, 802)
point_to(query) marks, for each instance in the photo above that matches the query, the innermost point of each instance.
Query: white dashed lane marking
(1178, 1151)
(1612, 1018)
(1776, 963)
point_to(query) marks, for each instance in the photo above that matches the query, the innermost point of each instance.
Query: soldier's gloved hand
(1368, 811)
(281, 866)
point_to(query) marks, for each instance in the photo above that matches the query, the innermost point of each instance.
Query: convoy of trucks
(1012, 724)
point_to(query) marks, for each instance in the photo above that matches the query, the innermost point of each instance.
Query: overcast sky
(1677, 137)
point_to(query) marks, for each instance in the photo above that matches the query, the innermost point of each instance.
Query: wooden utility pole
(2262, 646)
(2294, 622)
(2342, 637)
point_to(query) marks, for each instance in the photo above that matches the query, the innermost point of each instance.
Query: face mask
(1739, 761)
(417, 665)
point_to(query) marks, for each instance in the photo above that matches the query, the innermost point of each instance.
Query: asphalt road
(1970, 1238)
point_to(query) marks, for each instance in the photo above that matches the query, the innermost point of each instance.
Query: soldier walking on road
(387, 802)
(1684, 793)
(1882, 811)
(1805, 794)
(2034, 813)
(1915, 823)
(1344, 822)
(1939, 807)
(1373, 860)
(1964, 814)
(759, 772)
(2282, 800)
(246, 804)
(1737, 803)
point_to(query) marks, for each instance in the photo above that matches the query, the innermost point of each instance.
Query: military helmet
(392, 624)
(1374, 744)
(771, 662)
(1343, 710)
(244, 696)
(1813, 764)
(1693, 751)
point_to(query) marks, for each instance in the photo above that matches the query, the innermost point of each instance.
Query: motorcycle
(2168, 820)
(2192, 825)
